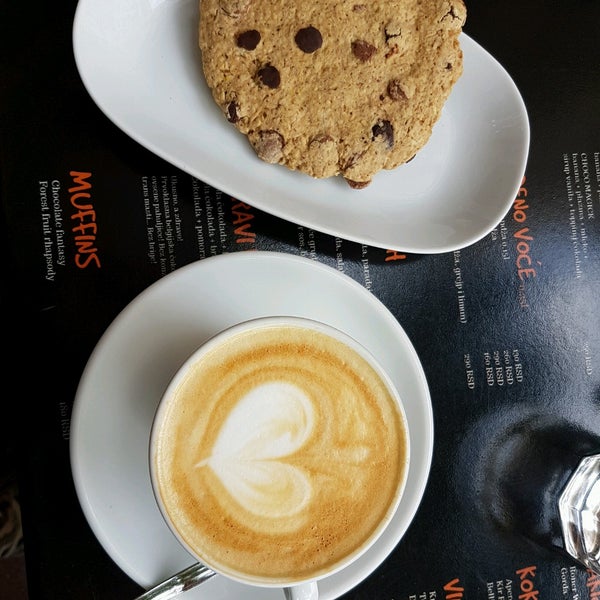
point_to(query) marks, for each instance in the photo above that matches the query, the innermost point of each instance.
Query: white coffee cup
(279, 453)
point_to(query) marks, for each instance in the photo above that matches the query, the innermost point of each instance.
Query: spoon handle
(180, 582)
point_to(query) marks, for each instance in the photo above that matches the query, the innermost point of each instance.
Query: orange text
(84, 219)
(394, 255)
(526, 584)
(453, 590)
(593, 584)
(242, 223)
(523, 237)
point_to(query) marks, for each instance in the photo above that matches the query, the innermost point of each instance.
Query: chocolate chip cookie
(332, 87)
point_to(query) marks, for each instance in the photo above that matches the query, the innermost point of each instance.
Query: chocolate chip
(395, 91)
(357, 185)
(384, 130)
(268, 145)
(393, 50)
(248, 40)
(269, 76)
(363, 50)
(309, 39)
(232, 112)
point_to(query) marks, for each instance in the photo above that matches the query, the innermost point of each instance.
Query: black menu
(507, 329)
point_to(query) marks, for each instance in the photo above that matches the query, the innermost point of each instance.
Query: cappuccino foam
(279, 454)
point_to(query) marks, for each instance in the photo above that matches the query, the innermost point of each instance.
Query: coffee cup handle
(306, 591)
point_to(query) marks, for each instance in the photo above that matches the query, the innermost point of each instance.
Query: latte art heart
(280, 453)
(266, 427)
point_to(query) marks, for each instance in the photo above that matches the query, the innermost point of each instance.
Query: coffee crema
(279, 454)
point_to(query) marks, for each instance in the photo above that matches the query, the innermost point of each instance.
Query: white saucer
(141, 350)
(140, 63)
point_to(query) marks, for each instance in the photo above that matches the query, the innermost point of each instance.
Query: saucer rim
(237, 260)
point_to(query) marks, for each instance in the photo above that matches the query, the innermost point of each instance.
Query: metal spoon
(185, 580)
(192, 576)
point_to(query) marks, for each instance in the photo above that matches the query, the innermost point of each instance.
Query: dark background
(483, 516)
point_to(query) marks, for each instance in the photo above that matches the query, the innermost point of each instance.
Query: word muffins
(332, 87)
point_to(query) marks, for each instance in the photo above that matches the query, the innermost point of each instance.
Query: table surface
(511, 361)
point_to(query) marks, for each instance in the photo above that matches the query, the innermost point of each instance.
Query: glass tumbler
(579, 509)
(542, 485)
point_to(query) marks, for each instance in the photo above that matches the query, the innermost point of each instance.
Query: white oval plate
(135, 359)
(140, 63)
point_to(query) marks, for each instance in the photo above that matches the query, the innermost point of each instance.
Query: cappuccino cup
(279, 453)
